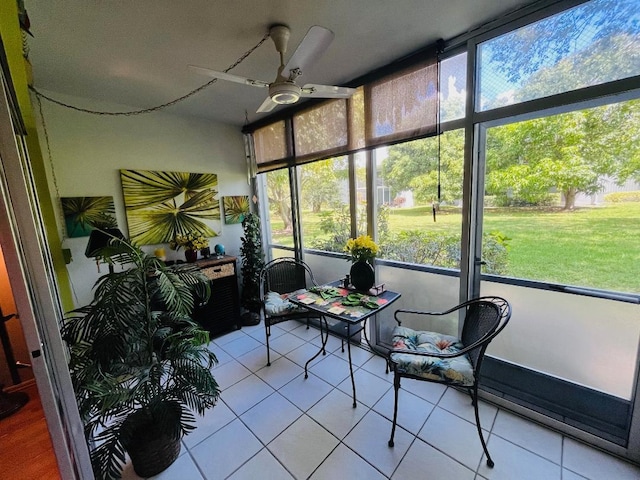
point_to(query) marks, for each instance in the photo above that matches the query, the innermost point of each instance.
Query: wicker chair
(434, 357)
(279, 278)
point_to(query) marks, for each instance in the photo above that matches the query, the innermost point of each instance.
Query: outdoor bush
(427, 248)
(495, 253)
(335, 224)
(434, 248)
(619, 197)
(542, 200)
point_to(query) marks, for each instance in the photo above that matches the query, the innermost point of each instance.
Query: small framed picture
(235, 208)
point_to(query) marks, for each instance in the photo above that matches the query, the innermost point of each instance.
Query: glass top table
(344, 304)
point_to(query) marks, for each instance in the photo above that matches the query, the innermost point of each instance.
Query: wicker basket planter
(151, 457)
(152, 439)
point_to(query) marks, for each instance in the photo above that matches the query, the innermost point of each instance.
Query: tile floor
(271, 423)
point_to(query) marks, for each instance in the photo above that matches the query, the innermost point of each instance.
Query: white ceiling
(136, 52)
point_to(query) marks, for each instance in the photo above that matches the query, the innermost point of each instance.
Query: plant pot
(152, 445)
(249, 318)
(362, 276)
(191, 255)
(150, 457)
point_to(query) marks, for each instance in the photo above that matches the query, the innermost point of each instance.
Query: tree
(523, 52)
(572, 152)
(414, 166)
(280, 196)
(320, 182)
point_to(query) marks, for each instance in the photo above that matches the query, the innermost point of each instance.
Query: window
(453, 85)
(280, 219)
(593, 43)
(563, 195)
(408, 178)
(324, 204)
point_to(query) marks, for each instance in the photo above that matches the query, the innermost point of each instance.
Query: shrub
(619, 197)
(433, 248)
(542, 200)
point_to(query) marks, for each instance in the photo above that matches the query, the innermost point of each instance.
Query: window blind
(402, 106)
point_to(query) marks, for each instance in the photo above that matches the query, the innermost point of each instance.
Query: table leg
(323, 339)
(353, 382)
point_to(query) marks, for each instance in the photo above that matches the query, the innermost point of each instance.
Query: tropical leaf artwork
(162, 205)
(235, 208)
(83, 214)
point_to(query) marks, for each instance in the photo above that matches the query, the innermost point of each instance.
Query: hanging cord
(440, 48)
(158, 107)
(53, 172)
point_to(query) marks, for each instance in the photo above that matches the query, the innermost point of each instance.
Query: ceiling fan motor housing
(284, 92)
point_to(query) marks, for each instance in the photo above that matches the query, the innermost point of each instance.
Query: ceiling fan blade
(227, 76)
(267, 105)
(311, 48)
(326, 91)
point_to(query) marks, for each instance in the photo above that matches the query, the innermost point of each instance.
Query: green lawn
(595, 247)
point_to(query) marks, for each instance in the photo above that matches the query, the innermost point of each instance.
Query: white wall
(88, 151)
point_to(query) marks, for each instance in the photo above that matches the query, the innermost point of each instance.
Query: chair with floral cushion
(434, 357)
(279, 279)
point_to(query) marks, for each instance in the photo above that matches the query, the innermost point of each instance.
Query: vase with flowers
(362, 251)
(191, 242)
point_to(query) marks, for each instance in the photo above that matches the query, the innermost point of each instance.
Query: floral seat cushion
(456, 370)
(276, 305)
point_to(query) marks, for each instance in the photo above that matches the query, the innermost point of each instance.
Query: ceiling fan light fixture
(284, 93)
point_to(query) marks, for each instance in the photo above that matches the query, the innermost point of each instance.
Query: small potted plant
(191, 242)
(252, 264)
(140, 366)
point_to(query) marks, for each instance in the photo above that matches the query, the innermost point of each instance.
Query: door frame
(34, 288)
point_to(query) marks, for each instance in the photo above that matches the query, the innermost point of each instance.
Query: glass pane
(360, 160)
(562, 201)
(593, 43)
(324, 204)
(321, 129)
(408, 193)
(270, 143)
(572, 337)
(279, 208)
(453, 85)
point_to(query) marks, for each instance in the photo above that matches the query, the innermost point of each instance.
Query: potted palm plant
(252, 263)
(140, 366)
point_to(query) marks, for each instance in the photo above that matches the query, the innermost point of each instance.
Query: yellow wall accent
(12, 39)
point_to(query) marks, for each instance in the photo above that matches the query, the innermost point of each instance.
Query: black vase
(362, 276)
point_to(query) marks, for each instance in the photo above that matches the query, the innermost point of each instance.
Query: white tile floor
(271, 423)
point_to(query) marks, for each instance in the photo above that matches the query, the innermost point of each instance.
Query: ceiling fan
(284, 89)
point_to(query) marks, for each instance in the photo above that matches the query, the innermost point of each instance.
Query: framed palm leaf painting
(235, 208)
(162, 205)
(83, 214)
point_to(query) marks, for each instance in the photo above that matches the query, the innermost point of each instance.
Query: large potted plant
(252, 264)
(140, 366)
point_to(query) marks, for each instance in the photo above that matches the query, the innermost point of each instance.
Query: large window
(593, 43)
(563, 194)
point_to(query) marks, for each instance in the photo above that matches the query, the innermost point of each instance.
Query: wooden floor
(26, 452)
